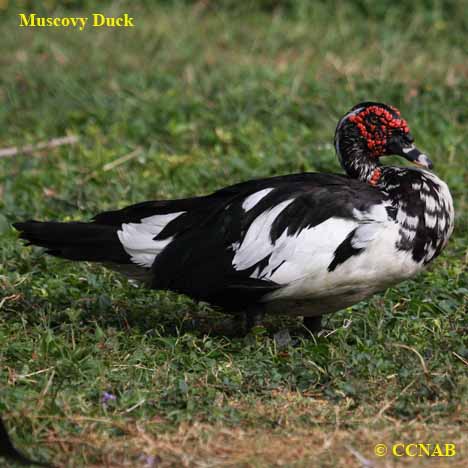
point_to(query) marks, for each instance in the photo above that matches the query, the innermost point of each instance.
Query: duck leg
(254, 317)
(313, 324)
(242, 322)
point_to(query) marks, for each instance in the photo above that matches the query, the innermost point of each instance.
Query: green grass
(211, 96)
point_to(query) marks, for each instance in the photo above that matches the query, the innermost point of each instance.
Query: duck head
(369, 131)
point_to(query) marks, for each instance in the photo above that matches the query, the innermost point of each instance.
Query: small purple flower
(106, 397)
(149, 460)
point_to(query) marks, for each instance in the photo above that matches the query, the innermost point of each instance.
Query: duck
(304, 244)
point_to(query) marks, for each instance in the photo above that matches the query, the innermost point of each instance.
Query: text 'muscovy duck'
(302, 244)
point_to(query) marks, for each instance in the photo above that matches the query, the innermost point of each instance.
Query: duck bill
(415, 156)
(412, 154)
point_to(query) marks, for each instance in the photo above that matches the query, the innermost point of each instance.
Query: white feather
(377, 213)
(300, 262)
(405, 220)
(364, 234)
(379, 265)
(430, 203)
(256, 244)
(410, 234)
(253, 199)
(430, 220)
(309, 252)
(138, 241)
(161, 221)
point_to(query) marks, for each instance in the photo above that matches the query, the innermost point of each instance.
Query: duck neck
(356, 160)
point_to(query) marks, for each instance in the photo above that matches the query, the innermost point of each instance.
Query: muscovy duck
(302, 244)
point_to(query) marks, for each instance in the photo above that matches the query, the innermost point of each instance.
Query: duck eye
(408, 137)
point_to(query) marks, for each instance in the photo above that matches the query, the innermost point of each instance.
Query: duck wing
(240, 244)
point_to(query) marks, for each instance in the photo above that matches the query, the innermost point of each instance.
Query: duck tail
(78, 241)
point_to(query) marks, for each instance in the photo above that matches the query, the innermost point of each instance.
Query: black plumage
(344, 251)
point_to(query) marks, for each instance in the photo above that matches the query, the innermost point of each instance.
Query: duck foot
(313, 324)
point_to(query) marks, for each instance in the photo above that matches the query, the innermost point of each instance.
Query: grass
(203, 97)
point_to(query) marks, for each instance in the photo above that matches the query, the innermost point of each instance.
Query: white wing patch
(253, 199)
(138, 238)
(256, 244)
(308, 253)
(300, 262)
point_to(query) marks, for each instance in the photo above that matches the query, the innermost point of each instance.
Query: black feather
(75, 241)
(344, 251)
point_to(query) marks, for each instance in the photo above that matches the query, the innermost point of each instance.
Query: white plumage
(138, 238)
(253, 199)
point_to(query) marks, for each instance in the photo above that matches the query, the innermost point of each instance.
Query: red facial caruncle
(376, 125)
(375, 176)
